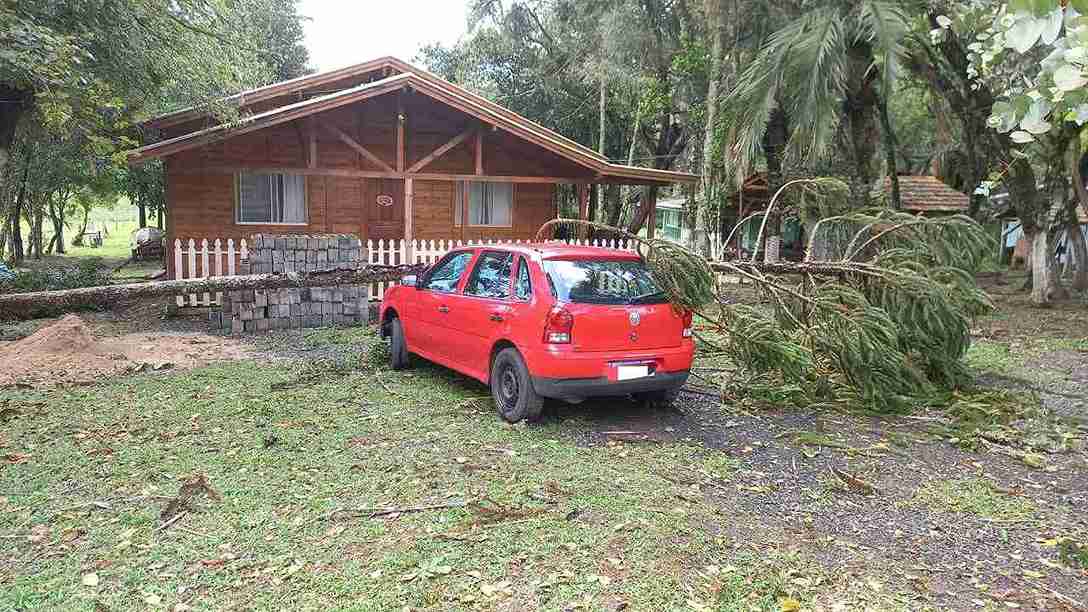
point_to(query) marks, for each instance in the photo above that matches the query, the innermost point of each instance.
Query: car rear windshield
(596, 281)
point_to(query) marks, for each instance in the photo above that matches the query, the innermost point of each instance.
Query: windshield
(595, 281)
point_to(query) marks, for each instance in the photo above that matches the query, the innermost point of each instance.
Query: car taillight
(686, 317)
(558, 327)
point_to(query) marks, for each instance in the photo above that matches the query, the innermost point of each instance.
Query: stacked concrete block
(296, 307)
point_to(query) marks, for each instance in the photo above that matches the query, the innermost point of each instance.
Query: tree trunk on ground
(716, 28)
(28, 305)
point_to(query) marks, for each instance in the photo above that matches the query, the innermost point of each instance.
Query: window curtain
(294, 198)
(271, 198)
(254, 194)
(490, 204)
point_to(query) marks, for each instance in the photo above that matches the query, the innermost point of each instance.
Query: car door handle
(443, 309)
(496, 317)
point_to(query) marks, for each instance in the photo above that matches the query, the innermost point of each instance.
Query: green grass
(976, 496)
(119, 222)
(551, 522)
(993, 357)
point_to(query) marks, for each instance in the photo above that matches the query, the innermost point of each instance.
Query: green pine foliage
(883, 323)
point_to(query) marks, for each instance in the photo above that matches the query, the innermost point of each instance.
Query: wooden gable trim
(260, 94)
(440, 151)
(446, 93)
(358, 148)
(268, 119)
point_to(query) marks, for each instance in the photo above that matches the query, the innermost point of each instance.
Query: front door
(383, 204)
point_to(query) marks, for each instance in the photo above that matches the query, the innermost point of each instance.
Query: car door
(434, 306)
(484, 310)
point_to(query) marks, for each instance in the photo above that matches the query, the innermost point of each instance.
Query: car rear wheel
(512, 389)
(398, 348)
(659, 399)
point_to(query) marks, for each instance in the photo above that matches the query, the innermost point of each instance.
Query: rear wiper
(638, 299)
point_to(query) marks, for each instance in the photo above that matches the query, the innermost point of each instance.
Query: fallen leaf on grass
(17, 457)
(790, 605)
(599, 579)
(90, 579)
(498, 588)
(38, 534)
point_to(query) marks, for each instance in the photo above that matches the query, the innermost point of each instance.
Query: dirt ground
(69, 351)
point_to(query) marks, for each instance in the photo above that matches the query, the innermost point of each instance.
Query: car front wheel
(512, 389)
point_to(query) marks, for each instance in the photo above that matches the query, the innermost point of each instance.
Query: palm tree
(817, 79)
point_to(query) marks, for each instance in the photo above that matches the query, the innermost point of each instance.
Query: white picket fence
(204, 259)
(393, 252)
(192, 260)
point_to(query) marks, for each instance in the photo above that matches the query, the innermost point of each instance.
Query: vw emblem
(634, 318)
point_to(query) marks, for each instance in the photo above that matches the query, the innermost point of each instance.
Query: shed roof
(929, 193)
(406, 76)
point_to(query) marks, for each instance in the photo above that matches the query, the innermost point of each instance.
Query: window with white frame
(271, 198)
(489, 204)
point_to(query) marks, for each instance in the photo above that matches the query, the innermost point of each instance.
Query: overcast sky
(344, 32)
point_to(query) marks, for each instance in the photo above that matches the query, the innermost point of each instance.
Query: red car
(543, 321)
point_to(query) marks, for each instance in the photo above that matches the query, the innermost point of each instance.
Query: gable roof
(407, 75)
(928, 194)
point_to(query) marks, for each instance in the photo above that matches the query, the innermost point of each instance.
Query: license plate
(627, 372)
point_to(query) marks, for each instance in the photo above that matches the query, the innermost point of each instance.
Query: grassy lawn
(335, 483)
(300, 459)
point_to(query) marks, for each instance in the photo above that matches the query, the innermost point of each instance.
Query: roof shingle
(928, 193)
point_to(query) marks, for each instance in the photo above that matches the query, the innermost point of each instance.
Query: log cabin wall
(201, 182)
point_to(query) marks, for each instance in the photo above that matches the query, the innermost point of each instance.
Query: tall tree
(823, 72)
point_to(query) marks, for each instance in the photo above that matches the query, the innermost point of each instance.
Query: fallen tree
(44, 303)
(881, 319)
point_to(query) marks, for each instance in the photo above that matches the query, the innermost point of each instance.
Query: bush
(86, 273)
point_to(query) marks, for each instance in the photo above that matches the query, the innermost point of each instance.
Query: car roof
(556, 250)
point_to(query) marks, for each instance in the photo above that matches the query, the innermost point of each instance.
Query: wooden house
(380, 150)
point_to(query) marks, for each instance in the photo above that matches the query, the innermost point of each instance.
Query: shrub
(85, 273)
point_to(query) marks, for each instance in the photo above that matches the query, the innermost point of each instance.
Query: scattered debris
(853, 482)
(190, 490)
(391, 511)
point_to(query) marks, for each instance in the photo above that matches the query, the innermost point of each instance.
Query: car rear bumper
(577, 389)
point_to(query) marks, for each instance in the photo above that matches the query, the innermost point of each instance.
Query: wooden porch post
(479, 152)
(408, 193)
(466, 190)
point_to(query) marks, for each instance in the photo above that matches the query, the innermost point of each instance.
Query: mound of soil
(67, 352)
